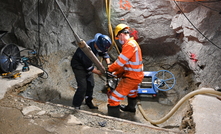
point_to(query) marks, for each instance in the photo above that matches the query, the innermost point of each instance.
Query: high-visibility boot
(114, 111)
(132, 102)
(89, 103)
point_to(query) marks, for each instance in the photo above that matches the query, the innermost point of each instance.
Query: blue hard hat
(103, 42)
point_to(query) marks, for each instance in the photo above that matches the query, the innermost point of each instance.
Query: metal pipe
(83, 46)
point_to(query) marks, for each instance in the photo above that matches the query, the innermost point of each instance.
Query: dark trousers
(85, 83)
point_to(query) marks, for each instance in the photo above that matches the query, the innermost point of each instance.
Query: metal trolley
(154, 81)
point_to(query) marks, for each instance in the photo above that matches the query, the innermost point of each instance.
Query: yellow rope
(108, 12)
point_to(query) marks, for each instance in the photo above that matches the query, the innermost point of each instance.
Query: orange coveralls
(130, 68)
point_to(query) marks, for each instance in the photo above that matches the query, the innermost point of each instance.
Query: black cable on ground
(36, 65)
(195, 26)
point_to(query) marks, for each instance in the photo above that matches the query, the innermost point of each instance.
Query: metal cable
(195, 26)
(200, 3)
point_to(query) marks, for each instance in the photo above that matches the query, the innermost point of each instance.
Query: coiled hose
(174, 109)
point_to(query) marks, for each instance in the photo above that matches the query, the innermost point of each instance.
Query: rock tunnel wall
(167, 39)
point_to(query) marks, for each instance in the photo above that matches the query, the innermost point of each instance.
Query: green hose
(174, 109)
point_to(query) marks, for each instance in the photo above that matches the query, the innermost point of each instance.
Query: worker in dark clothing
(83, 69)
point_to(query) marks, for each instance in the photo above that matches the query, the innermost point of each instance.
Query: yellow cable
(108, 12)
(174, 109)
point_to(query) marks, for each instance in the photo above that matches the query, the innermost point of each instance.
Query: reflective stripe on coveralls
(135, 66)
(124, 88)
(132, 94)
(131, 61)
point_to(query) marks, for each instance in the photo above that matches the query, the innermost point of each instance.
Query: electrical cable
(195, 26)
(186, 97)
(209, 1)
(39, 45)
(200, 3)
(36, 65)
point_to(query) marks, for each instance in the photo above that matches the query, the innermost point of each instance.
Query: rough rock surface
(166, 36)
(181, 37)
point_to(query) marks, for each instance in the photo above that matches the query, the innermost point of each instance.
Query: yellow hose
(174, 109)
(108, 12)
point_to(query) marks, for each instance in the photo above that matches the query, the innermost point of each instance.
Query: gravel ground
(23, 116)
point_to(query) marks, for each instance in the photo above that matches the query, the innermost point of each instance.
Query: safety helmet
(120, 27)
(103, 42)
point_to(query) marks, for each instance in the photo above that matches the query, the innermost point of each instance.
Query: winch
(154, 81)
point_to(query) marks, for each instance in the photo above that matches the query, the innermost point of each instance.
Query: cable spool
(9, 58)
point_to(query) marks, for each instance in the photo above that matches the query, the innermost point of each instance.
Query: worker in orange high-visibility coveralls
(129, 68)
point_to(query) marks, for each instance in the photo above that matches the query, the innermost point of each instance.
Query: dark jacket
(82, 62)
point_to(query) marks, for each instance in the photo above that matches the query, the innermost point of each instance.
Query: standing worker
(129, 68)
(83, 69)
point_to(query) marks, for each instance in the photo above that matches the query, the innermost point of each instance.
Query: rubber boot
(114, 111)
(89, 103)
(132, 102)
